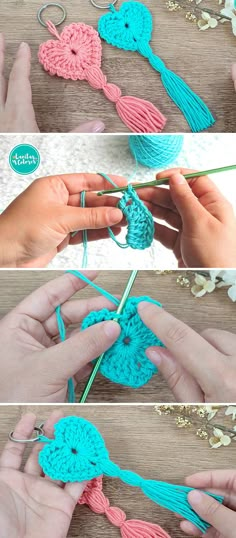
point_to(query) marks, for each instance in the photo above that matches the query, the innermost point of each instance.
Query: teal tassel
(191, 105)
(170, 496)
(175, 499)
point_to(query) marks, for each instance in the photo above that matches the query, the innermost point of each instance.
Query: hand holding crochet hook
(201, 226)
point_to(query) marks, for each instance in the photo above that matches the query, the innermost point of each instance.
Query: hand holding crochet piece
(32, 505)
(197, 367)
(17, 113)
(39, 222)
(77, 55)
(79, 453)
(32, 345)
(199, 223)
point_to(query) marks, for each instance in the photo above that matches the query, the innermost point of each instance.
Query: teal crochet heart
(127, 27)
(77, 453)
(126, 362)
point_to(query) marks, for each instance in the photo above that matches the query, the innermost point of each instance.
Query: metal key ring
(51, 4)
(111, 3)
(26, 441)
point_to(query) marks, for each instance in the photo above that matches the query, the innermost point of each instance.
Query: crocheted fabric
(126, 362)
(78, 453)
(77, 55)
(130, 28)
(141, 227)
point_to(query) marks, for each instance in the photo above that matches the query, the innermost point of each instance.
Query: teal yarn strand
(103, 292)
(155, 151)
(62, 334)
(84, 234)
(130, 29)
(141, 228)
(78, 452)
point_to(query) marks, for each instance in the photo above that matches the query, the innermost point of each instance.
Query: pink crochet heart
(77, 49)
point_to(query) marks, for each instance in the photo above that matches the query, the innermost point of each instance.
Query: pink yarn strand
(94, 497)
(77, 55)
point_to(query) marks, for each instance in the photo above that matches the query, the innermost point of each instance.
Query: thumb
(221, 518)
(66, 359)
(187, 204)
(73, 219)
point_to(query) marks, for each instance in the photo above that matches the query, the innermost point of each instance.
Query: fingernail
(115, 216)
(98, 127)
(143, 305)
(154, 356)
(23, 46)
(112, 329)
(177, 179)
(195, 497)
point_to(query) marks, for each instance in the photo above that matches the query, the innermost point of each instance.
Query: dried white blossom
(207, 21)
(202, 286)
(231, 410)
(219, 439)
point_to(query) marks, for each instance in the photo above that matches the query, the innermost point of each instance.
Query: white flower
(229, 277)
(219, 439)
(207, 21)
(202, 286)
(211, 411)
(229, 11)
(231, 410)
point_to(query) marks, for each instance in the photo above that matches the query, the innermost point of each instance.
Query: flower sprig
(203, 16)
(200, 420)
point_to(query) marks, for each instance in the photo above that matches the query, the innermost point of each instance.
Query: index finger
(215, 479)
(194, 353)
(75, 183)
(11, 457)
(205, 190)
(42, 302)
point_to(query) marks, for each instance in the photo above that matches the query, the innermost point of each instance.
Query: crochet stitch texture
(79, 453)
(130, 29)
(140, 233)
(77, 55)
(126, 362)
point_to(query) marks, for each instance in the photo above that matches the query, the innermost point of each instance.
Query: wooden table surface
(202, 59)
(140, 440)
(214, 310)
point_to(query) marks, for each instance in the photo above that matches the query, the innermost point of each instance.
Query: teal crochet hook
(124, 298)
(165, 180)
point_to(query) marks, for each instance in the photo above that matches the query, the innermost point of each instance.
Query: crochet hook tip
(164, 181)
(120, 307)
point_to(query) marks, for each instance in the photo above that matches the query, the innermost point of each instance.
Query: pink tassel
(94, 497)
(77, 55)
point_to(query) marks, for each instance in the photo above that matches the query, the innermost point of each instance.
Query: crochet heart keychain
(130, 29)
(77, 55)
(78, 452)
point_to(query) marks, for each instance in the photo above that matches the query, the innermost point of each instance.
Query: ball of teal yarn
(156, 151)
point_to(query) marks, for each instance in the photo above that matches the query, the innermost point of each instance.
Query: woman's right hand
(222, 518)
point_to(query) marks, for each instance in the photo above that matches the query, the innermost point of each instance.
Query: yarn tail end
(140, 116)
